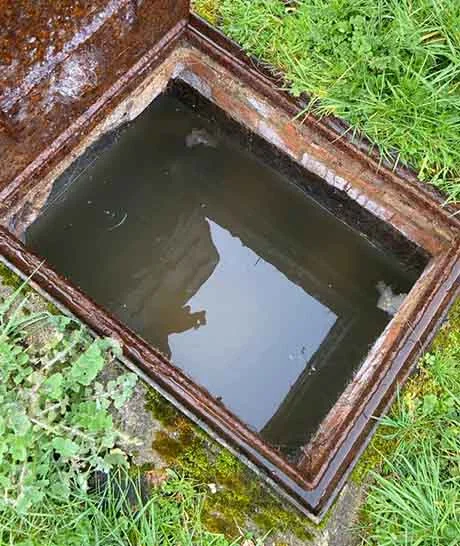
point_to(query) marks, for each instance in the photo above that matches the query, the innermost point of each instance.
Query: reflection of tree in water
(188, 320)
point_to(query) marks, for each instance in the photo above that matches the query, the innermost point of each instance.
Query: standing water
(242, 280)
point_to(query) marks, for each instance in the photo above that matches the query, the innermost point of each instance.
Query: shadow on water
(247, 284)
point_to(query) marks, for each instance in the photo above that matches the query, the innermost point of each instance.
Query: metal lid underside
(37, 37)
(59, 58)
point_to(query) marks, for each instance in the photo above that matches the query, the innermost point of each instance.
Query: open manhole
(179, 228)
(290, 277)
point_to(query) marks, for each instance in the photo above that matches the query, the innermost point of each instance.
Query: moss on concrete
(236, 495)
(443, 338)
(9, 278)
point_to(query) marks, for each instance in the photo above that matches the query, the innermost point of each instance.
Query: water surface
(248, 285)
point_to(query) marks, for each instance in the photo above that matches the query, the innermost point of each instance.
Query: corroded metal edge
(215, 70)
(337, 129)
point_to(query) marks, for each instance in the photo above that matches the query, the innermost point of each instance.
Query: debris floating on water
(388, 300)
(200, 136)
(122, 221)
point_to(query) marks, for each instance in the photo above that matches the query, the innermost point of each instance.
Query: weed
(55, 424)
(62, 478)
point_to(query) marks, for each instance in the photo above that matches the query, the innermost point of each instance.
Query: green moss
(167, 447)
(53, 309)
(164, 412)
(372, 458)
(240, 495)
(9, 278)
(208, 9)
(443, 339)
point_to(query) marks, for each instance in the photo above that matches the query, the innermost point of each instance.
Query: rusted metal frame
(7, 126)
(200, 33)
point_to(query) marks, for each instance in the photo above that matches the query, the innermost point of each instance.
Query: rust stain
(6, 125)
(107, 37)
(36, 36)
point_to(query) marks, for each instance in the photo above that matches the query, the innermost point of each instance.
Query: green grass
(415, 498)
(391, 68)
(116, 516)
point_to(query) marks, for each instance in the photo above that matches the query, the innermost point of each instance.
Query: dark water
(244, 282)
